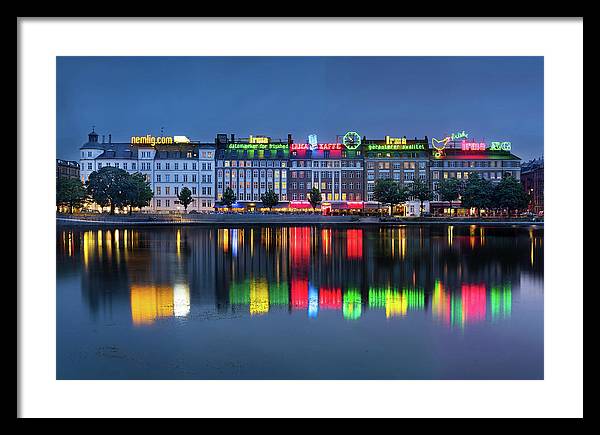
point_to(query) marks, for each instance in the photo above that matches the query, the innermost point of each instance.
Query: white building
(169, 167)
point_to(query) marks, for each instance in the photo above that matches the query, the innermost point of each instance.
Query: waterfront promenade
(274, 219)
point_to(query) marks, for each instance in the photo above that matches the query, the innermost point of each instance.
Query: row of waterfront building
(344, 172)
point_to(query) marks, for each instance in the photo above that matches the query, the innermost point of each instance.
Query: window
(158, 203)
(167, 190)
(167, 203)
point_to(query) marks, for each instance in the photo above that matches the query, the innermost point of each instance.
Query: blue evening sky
(491, 98)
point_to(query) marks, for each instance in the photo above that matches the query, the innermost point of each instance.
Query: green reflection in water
(278, 294)
(351, 304)
(501, 301)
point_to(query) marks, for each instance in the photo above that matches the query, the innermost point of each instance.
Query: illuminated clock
(351, 140)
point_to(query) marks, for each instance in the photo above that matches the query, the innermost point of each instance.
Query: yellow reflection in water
(472, 229)
(259, 296)
(150, 302)
(450, 234)
(86, 248)
(396, 303)
(178, 242)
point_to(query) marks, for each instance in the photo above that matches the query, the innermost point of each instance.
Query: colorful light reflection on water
(432, 280)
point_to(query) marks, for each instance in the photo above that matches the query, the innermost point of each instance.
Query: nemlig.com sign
(151, 140)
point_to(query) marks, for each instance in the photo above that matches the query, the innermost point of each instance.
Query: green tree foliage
(389, 192)
(108, 187)
(270, 199)
(421, 191)
(70, 192)
(477, 193)
(315, 198)
(509, 194)
(137, 191)
(228, 197)
(185, 197)
(449, 189)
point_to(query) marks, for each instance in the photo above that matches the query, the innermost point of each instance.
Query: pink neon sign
(473, 146)
(319, 146)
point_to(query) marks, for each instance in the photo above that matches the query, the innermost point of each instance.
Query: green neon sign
(500, 146)
(396, 147)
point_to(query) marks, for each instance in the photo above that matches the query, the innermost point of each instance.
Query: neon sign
(500, 146)
(459, 135)
(258, 139)
(181, 139)
(351, 140)
(151, 140)
(257, 146)
(436, 143)
(396, 147)
(395, 140)
(312, 139)
(472, 146)
(319, 146)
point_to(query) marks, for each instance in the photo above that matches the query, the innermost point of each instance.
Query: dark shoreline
(276, 220)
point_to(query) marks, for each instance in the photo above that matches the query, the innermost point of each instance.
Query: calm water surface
(303, 302)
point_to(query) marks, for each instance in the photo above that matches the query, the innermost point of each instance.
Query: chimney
(110, 138)
(289, 139)
(232, 137)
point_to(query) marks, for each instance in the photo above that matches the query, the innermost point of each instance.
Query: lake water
(300, 302)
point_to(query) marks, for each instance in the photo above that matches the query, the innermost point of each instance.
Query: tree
(421, 191)
(185, 197)
(228, 197)
(108, 187)
(270, 199)
(509, 194)
(389, 192)
(315, 198)
(477, 193)
(138, 191)
(449, 189)
(70, 192)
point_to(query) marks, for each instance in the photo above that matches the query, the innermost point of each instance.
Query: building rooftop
(532, 165)
(67, 163)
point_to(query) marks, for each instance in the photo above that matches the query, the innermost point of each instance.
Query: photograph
(296, 217)
(300, 218)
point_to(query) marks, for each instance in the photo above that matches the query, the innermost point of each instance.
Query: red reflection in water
(473, 302)
(299, 246)
(299, 290)
(330, 298)
(354, 240)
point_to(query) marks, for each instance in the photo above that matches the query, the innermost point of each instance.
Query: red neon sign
(300, 204)
(354, 204)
